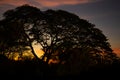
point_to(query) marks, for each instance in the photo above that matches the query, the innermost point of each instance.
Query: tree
(16, 27)
(56, 31)
(61, 32)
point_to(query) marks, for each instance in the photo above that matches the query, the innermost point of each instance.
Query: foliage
(58, 32)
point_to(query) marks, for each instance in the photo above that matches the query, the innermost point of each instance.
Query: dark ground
(30, 70)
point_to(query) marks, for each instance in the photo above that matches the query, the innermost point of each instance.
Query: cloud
(13, 2)
(53, 3)
(45, 3)
(8, 4)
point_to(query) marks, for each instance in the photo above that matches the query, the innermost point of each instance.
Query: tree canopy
(58, 32)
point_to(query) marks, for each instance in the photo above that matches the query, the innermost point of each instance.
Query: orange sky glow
(117, 51)
(45, 3)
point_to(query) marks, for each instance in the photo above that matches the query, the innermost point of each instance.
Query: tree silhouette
(16, 28)
(61, 32)
(58, 32)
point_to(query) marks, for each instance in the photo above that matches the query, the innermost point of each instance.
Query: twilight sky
(105, 14)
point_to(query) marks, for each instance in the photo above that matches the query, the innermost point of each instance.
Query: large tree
(58, 32)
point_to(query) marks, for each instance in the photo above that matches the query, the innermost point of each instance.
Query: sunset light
(117, 51)
(59, 39)
(45, 3)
